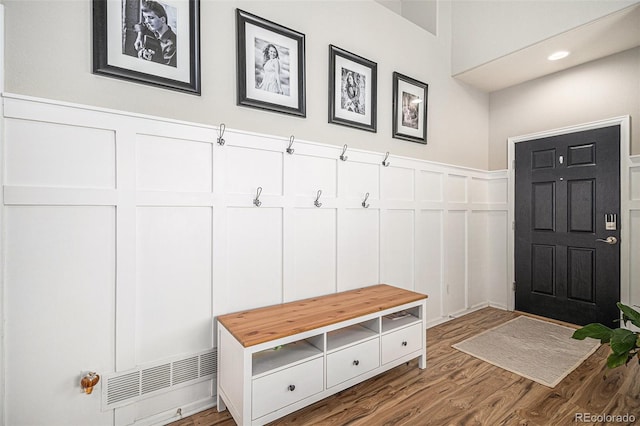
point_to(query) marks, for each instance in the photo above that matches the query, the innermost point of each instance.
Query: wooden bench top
(260, 325)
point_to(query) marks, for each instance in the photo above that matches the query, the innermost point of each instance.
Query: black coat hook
(385, 162)
(317, 202)
(221, 133)
(256, 201)
(364, 203)
(289, 149)
(342, 156)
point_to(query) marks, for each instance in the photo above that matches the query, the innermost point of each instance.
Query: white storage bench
(278, 359)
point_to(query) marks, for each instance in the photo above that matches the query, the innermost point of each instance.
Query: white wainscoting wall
(125, 235)
(634, 231)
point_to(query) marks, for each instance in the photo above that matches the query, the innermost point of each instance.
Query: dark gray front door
(567, 226)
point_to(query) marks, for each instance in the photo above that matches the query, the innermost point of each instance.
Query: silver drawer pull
(292, 387)
(356, 362)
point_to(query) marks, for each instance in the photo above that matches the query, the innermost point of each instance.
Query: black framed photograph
(271, 65)
(149, 42)
(409, 109)
(352, 90)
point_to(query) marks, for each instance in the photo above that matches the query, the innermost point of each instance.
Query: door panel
(581, 205)
(543, 266)
(544, 159)
(565, 185)
(544, 206)
(581, 270)
(581, 155)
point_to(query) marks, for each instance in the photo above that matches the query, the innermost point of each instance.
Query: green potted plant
(624, 343)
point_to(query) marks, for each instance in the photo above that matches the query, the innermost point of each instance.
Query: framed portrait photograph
(409, 109)
(147, 41)
(271, 65)
(352, 90)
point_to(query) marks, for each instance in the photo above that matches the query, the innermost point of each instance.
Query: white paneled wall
(634, 234)
(315, 254)
(126, 235)
(60, 300)
(254, 258)
(429, 260)
(456, 267)
(173, 271)
(497, 251)
(478, 265)
(28, 142)
(358, 248)
(397, 248)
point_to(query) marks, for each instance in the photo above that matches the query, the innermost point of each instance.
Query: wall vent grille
(209, 363)
(156, 378)
(122, 388)
(185, 370)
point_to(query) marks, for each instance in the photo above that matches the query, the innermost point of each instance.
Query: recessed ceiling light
(558, 55)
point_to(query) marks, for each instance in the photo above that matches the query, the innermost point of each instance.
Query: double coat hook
(364, 203)
(317, 202)
(221, 129)
(342, 156)
(256, 201)
(385, 162)
(289, 149)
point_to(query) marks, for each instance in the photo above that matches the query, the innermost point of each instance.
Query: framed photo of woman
(154, 42)
(352, 90)
(409, 109)
(271, 65)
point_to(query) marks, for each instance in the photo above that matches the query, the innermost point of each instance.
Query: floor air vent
(149, 380)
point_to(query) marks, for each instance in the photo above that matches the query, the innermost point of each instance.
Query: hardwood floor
(458, 389)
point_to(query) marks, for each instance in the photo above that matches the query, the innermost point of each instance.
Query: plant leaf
(595, 331)
(629, 314)
(616, 360)
(622, 341)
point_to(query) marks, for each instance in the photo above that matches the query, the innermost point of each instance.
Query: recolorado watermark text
(601, 418)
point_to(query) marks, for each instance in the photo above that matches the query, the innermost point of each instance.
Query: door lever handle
(609, 240)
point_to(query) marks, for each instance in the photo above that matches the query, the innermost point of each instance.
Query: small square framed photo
(409, 109)
(352, 90)
(149, 42)
(271, 65)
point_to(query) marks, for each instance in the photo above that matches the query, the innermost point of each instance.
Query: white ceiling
(608, 35)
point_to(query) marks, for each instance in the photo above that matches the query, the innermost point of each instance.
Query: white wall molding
(183, 242)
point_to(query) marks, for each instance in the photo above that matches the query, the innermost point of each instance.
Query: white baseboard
(464, 312)
(170, 416)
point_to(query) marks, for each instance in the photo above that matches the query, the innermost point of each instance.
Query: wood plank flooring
(458, 389)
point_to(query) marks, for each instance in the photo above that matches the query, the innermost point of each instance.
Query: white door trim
(625, 163)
